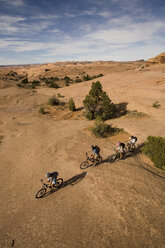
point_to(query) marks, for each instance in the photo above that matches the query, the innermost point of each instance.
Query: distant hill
(159, 59)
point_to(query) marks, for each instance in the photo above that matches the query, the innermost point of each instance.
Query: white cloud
(129, 33)
(17, 45)
(17, 25)
(45, 17)
(54, 30)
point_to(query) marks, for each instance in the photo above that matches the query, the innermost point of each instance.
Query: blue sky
(44, 31)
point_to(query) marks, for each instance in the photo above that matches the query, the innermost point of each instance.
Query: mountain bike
(90, 161)
(46, 187)
(130, 147)
(115, 156)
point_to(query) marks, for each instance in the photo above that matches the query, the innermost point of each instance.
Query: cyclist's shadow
(138, 150)
(71, 181)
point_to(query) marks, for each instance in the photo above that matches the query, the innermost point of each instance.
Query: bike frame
(44, 185)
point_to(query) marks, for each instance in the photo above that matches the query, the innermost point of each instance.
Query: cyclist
(121, 149)
(133, 140)
(52, 178)
(95, 152)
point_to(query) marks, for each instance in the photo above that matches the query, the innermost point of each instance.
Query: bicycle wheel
(112, 158)
(99, 160)
(41, 193)
(127, 148)
(132, 149)
(59, 182)
(84, 165)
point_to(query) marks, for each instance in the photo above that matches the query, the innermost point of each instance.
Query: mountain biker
(132, 141)
(120, 148)
(95, 152)
(52, 178)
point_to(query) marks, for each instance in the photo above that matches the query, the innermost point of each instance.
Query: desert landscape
(105, 206)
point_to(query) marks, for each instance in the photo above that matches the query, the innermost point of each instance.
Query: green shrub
(156, 104)
(71, 105)
(97, 103)
(41, 111)
(59, 95)
(20, 85)
(54, 101)
(53, 85)
(101, 129)
(154, 148)
(35, 82)
(89, 116)
(86, 77)
(135, 114)
(30, 86)
(78, 80)
(25, 81)
(67, 82)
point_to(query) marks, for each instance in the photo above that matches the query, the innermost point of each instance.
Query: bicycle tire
(112, 158)
(127, 148)
(99, 160)
(59, 182)
(84, 165)
(41, 193)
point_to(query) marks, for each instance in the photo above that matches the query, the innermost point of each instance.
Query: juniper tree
(97, 103)
(72, 105)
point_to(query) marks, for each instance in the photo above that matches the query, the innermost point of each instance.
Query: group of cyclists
(95, 155)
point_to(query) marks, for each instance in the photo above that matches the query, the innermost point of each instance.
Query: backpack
(97, 148)
(135, 138)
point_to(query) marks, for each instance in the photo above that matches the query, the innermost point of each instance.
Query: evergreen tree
(97, 103)
(72, 105)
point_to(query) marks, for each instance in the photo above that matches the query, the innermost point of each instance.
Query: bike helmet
(92, 147)
(131, 137)
(118, 144)
(48, 174)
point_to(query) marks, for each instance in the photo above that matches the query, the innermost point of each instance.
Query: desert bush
(78, 80)
(86, 77)
(59, 95)
(53, 85)
(25, 81)
(156, 104)
(67, 82)
(41, 110)
(136, 114)
(54, 78)
(35, 82)
(89, 116)
(71, 105)
(20, 85)
(154, 148)
(54, 101)
(97, 103)
(30, 86)
(101, 129)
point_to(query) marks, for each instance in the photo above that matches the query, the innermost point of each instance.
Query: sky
(46, 31)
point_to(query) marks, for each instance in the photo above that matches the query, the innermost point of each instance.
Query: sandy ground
(110, 205)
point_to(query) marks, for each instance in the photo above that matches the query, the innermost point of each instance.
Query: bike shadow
(102, 162)
(138, 150)
(71, 181)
